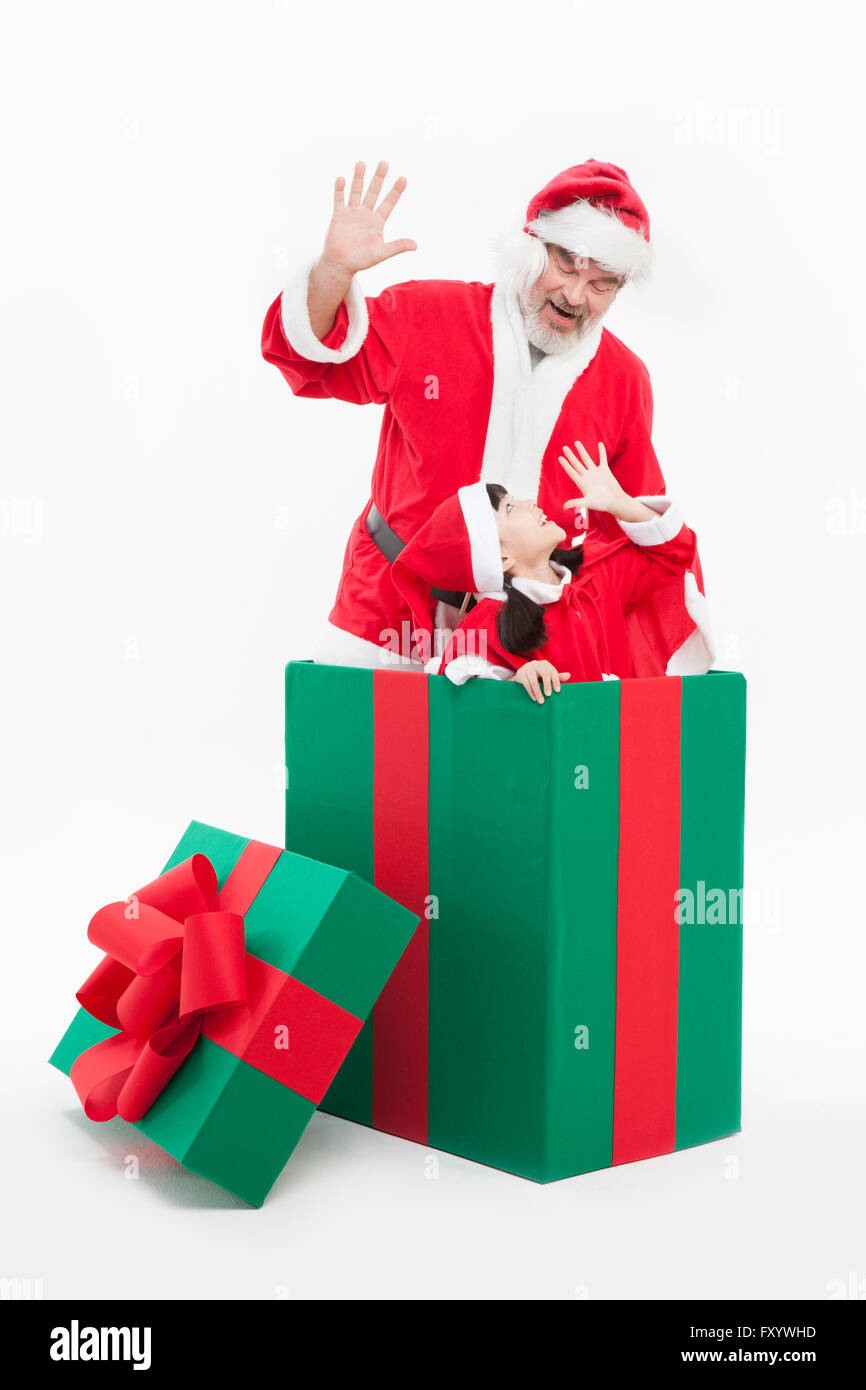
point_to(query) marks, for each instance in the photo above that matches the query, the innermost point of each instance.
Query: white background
(173, 521)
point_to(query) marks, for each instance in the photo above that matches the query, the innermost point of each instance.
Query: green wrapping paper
(571, 998)
(320, 943)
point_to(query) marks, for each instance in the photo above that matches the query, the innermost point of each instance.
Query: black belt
(390, 545)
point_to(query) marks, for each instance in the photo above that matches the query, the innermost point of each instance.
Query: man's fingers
(339, 193)
(357, 187)
(393, 248)
(388, 203)
(375, 185)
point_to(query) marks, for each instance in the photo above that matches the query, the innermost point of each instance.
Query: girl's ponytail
(521, 624)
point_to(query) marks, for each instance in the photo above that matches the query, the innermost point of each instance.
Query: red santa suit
(585, 613)
(450, 363)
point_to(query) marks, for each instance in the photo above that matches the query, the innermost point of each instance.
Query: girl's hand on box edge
(535, 675)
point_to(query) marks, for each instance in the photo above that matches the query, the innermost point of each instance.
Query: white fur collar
(541, 592)
(535, 588)
(526, 403)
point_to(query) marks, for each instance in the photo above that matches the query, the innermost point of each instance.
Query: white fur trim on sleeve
(658, 529)
(298, 329)
(462, 668)
(698, 652)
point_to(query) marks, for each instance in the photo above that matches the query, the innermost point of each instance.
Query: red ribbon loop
(214, 974)
(172, 956)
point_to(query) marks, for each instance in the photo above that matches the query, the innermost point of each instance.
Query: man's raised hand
(355, 238)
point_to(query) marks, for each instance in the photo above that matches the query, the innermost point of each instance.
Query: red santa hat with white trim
(457, 548)
(591, 210)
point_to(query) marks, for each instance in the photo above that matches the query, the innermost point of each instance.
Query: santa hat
(456, 549)
(592, 211)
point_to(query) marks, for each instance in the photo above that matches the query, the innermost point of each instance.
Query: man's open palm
(355, 239)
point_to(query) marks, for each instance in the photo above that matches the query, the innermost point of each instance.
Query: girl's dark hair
(521, 624)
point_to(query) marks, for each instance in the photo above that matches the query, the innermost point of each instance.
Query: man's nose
(575, 294)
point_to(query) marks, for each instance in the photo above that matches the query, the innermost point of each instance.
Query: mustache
(577, 314)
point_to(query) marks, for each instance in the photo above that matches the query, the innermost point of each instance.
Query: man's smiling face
(567, 300)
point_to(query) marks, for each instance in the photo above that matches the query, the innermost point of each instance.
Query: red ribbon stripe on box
(647, 934)
(400, 869)
(175, 967)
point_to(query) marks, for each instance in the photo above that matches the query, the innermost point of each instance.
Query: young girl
(544, 614)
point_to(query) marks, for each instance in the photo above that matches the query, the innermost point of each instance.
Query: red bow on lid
(172, 956)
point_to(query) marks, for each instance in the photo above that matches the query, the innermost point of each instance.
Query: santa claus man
(483, 381)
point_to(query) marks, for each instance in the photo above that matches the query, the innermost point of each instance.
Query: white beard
(547, 339)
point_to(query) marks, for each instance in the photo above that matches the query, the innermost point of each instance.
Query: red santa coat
(450, 363)
(585, 614)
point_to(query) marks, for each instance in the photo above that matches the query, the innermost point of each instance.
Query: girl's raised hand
(600, 489)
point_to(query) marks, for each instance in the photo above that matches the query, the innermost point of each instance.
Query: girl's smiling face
(526, 536)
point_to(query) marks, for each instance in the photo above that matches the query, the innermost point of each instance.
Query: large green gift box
(571, 998)
(294, 951)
